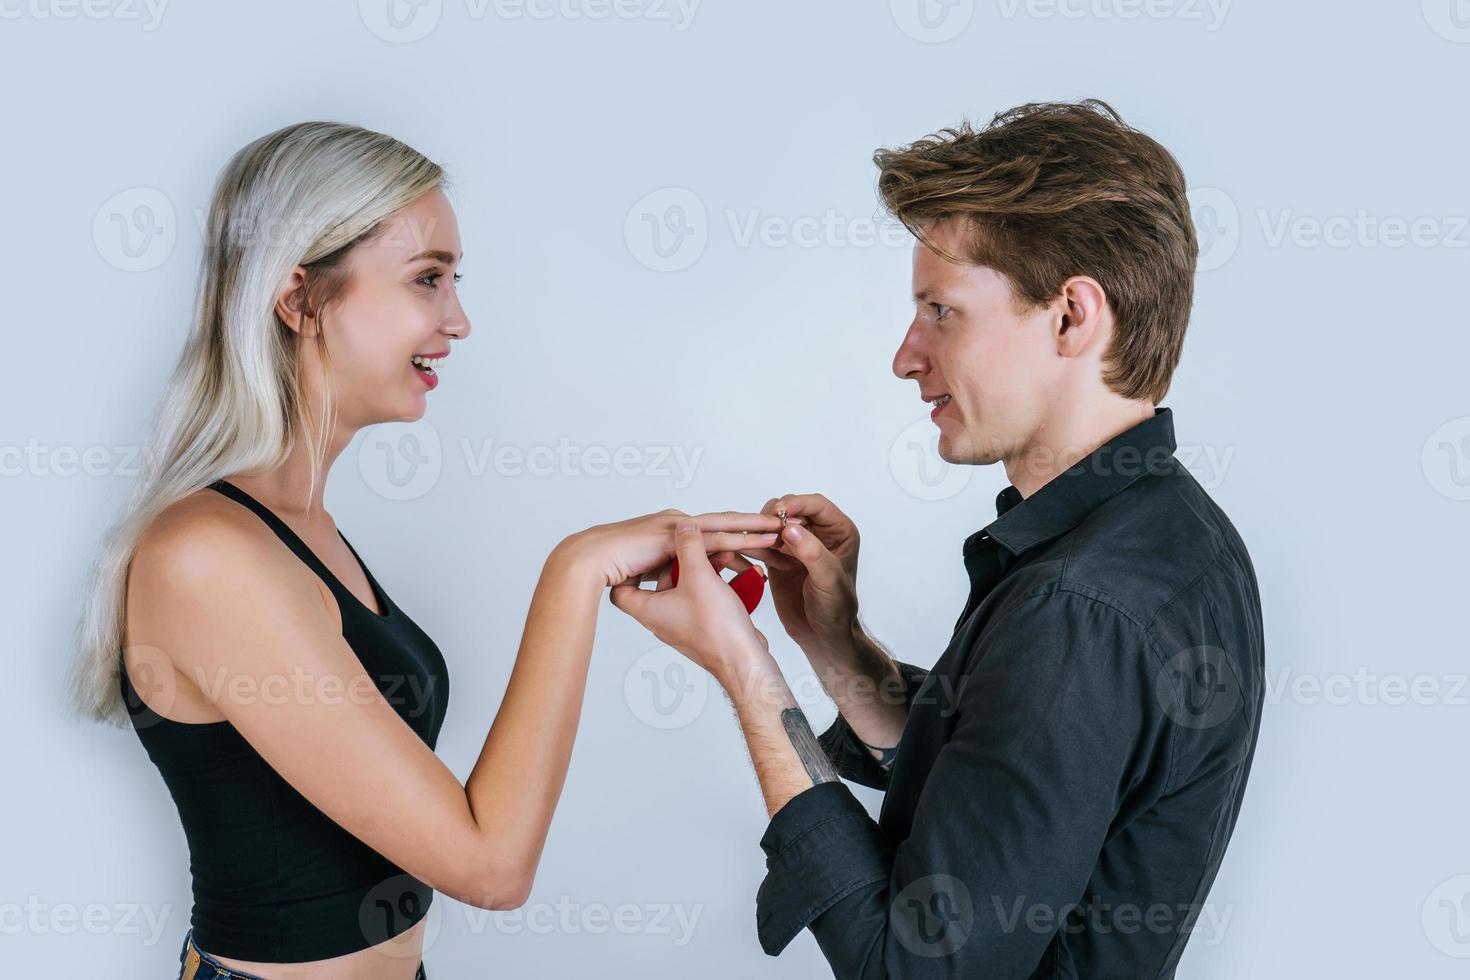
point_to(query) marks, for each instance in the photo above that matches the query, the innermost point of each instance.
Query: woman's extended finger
(736, 541)
(739, 521)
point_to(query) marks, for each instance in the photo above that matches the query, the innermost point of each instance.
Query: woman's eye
(428, 280)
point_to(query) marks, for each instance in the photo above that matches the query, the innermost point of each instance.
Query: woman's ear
(291, 304)
(1084, 308)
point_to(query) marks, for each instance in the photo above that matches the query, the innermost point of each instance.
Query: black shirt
(1071, 768)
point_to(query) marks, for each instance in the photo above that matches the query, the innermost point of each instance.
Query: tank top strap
(282, 529)
(302, 551)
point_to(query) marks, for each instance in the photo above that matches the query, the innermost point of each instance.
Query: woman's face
(400, 302)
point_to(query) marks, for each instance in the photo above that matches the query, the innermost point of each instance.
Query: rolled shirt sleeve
(1055, 718)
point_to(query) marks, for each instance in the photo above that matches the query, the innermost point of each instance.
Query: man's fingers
(821, 564)
(630, 599)
(814, 508)
(774, 559)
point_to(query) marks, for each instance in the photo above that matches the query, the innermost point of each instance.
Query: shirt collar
(1065, 500)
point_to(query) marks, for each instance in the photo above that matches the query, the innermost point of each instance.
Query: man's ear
(291, 304)
(1082, 305)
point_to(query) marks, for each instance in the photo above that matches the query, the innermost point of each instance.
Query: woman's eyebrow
(448, 258)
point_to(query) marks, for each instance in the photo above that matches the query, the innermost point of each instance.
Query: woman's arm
(237, 615)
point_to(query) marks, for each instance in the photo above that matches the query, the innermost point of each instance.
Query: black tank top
(275, 879)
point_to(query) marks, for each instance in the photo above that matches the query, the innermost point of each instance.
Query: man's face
(968, 341)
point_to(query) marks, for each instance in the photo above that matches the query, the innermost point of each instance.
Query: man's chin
(965, 452)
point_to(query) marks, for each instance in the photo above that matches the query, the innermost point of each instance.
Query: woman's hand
(701, 617)
(627, 550)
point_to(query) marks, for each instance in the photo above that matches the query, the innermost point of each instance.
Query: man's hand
(701, 617)
(813, 572)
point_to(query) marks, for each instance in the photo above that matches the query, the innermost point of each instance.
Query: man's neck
(1066, 437)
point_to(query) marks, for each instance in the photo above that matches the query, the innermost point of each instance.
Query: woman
(290, 705)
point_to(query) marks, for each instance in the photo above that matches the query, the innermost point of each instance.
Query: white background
(1321, 399)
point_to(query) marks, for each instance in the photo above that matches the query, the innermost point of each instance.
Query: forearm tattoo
(885, 756)
(818, 766)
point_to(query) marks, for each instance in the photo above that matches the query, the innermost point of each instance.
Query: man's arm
(1053, 719)
(873, 693)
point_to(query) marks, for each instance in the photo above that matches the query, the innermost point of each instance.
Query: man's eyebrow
(925, 296)
(440, 255)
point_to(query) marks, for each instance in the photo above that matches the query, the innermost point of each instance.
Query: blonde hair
(304, 195)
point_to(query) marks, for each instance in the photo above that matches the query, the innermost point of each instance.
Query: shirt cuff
(849, 755)
(820, 847)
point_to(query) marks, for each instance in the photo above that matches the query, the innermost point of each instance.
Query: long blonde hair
(305, 195)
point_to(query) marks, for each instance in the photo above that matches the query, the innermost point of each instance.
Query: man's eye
(940, 310)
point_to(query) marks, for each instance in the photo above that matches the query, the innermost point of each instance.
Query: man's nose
(910, 359)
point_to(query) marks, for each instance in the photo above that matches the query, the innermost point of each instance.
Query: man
(1061, 786)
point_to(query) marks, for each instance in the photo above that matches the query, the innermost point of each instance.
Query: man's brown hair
(1051, 190)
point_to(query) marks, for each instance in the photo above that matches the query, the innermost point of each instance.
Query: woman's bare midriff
(395, 959)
